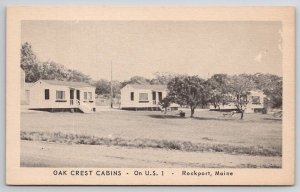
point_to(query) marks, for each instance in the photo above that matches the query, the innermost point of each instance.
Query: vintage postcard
(150, 96)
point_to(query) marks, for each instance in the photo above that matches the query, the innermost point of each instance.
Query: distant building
(143, 97)
(25, 89)
(255, 104)
(54, 95)
(102, 100)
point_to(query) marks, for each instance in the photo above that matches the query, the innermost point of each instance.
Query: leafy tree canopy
(29, 63)
(189, 90)
(218, 85)
(35, 70)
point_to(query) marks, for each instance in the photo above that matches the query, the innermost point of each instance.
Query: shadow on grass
(164, 116)
(272, 119)
(215, 118)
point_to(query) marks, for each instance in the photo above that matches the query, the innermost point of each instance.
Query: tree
(218, 85)
(240, 86)
(162, 78)
(49, 70)
(29, 63)
(189, 90)
(165, 103)
(102, 87)
(271, 85)
(53, 71)
(116, 86)
(275, 94)
(136, 80)
(74, 75)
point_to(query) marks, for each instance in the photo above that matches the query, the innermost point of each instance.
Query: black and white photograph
(151, 94)
(204, 97)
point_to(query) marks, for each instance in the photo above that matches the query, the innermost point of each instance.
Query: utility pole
(111, 89)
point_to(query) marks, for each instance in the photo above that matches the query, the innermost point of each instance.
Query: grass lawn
(211, 133)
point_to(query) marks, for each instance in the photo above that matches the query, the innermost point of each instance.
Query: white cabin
(135, 97)
(25, 89)
(255, 103)
(52, 95)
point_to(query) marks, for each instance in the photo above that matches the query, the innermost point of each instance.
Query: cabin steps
(85, 109)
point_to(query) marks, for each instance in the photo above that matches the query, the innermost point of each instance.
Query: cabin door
(154, 97)
(159, 96)
(78, 95)
(71, 96)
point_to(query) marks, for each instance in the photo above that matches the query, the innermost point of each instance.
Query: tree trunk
(192, 111)
(165, 110)
(242, 114)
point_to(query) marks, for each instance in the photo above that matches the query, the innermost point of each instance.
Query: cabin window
(90, 96)
(47, 94)
(85, 96)
(143, 97)
(255, 100)
(60, 95)
(132, 96)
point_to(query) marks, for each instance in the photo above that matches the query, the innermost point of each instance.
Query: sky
(142, 48)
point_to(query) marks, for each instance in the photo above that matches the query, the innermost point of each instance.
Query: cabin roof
(151, 87)
(67, 83)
